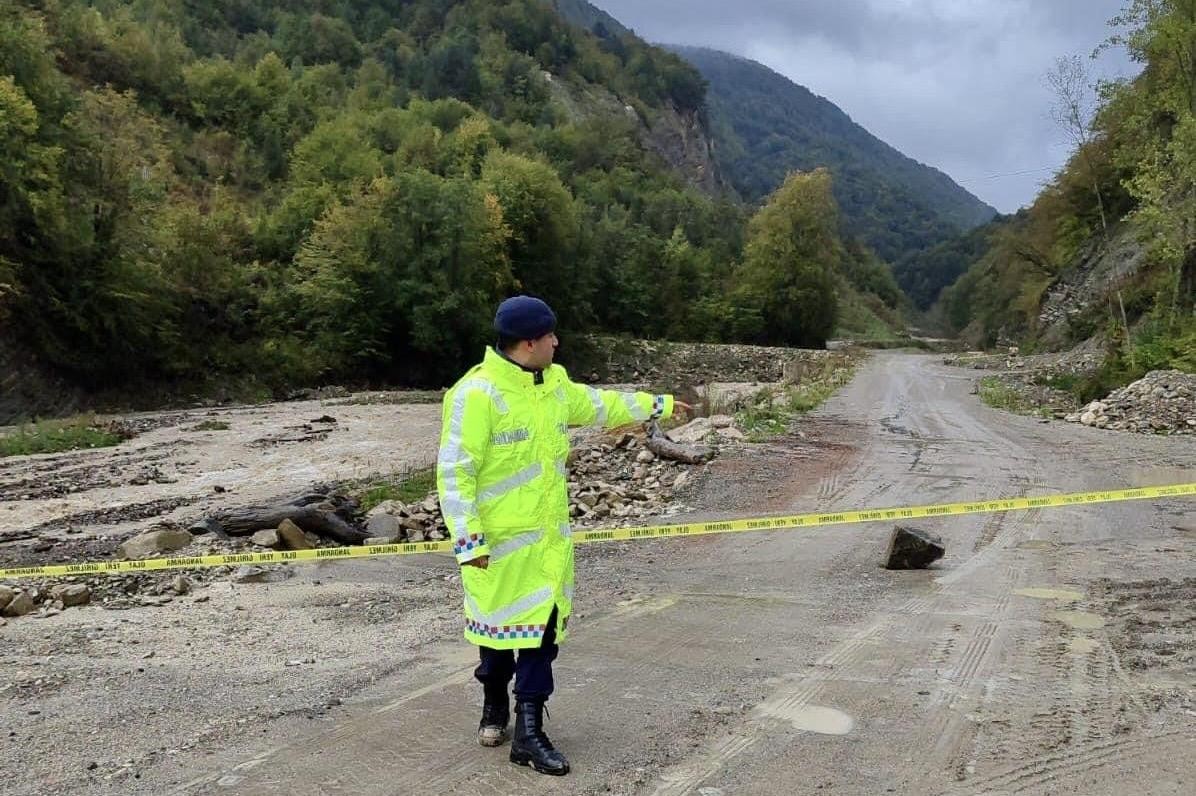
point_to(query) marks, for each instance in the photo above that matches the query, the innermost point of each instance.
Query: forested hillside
(765, 125)
(282, 193)
(1108, 249)
(315, 190)
(924, 274)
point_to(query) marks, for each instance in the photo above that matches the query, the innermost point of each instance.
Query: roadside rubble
(1161, 402)
(612, 476)
(1078, 361)
(613, 479)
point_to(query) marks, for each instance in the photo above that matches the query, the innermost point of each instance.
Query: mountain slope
(765, 126)
(1106, 254)
(264, 193)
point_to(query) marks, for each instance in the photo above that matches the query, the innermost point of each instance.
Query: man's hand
(684, 407)
(482, 562)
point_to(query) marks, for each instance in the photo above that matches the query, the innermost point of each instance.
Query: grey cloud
(957, 84)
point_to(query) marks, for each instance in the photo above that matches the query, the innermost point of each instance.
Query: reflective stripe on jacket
(504, 491)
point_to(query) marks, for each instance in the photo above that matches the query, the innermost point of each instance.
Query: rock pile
(616, 479)
(611, 478)
(1079, 361)
(1161, 402)
(51, 600)
(48, 597)
(392, 521)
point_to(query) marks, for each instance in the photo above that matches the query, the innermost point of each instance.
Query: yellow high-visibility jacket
(503, 491)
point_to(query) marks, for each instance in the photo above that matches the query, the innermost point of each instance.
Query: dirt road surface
(1050, 652)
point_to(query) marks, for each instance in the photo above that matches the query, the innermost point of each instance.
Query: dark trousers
(532, 671)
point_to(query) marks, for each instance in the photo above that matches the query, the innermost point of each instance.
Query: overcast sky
(957, 84)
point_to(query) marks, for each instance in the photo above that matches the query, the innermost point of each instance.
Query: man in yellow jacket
(503, 491)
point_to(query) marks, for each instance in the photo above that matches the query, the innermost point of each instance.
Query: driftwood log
(329, 516)
(660, 444)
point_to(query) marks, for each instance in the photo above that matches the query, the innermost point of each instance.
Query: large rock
(386, 526)
(416, 523)
(693, 431)
(644, 361)
(71, 594)
(21, 604)
(6, 595)
(293, 537)
(913, 548)
(266, 538)
(387, 507)
(151, 543)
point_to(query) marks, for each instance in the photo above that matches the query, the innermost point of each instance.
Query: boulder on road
(913, 548)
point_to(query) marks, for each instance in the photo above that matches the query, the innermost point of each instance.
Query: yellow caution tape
(788, 522)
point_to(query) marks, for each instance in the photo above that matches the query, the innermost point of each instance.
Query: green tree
(30, 185)
(337, 151)
(400, 281)
(215, 303)
(103, 307)
(223, 95)
(789, 265)
(543, 222)
(1155, 122)
(318, 39)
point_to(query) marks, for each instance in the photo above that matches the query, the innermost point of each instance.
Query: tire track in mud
(1090, 701)
(840, 663)
(1091, 689)
(966, 651)
(1081, 759)
(946, 731)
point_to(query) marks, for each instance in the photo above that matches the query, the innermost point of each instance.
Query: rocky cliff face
(686, 144)
(1103, 267)
(682, 140)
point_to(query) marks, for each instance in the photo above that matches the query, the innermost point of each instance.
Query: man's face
(541, 351)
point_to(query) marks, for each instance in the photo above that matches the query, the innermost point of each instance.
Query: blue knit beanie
(524, 318)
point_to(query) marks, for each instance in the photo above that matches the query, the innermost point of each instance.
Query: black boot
(496, 712)
(530, 746)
